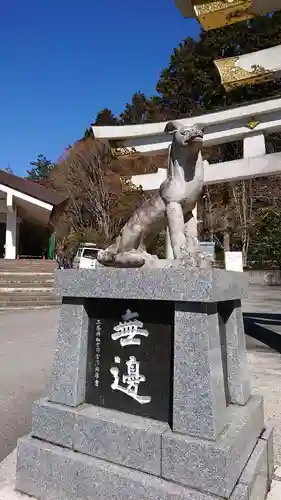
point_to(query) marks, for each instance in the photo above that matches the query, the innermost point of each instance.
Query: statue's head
(186, 136)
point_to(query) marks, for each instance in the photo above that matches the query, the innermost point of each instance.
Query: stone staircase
(27, 284)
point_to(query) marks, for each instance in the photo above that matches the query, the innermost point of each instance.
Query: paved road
(263, 313)
(263, 299)
(27, 342)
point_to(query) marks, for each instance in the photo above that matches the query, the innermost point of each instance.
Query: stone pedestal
(150, 393)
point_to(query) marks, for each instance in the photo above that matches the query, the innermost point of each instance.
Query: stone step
(27, 265)
(25, 285)
(28, 298)
(40, 272)
(22, 262)
(27, 261)
(24, 268)
(26, 289)
(26, 273)
(25, 282)
(4, 274)
(25, 293)
(15, 262)
(28, 295)
(23, 272)
(29, 304)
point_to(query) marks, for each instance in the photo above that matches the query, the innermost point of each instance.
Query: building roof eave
(32, 189)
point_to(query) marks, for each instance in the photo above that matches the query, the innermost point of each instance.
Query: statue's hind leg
(142, 250)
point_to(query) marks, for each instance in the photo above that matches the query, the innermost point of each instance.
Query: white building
(23, 200)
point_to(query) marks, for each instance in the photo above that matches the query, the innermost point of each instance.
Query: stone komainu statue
(171, 206)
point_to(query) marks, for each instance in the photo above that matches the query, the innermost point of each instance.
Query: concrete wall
(264, 277)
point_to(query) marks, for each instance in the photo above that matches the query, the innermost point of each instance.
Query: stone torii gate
(249, 123)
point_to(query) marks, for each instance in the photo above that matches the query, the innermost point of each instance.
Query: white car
(86, 257)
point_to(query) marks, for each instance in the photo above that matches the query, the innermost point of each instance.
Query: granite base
(210, 466)
(150, 446)
(49, 472)
(209, 366)
(209, 444)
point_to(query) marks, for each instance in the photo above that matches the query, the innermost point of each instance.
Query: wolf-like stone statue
(171, 206)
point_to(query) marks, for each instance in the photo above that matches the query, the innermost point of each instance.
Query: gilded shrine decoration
(218, 13)
(232, 75)
(252, 124)
(213, 15)
(250, 69)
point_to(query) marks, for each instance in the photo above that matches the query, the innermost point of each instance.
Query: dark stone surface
(154, 355)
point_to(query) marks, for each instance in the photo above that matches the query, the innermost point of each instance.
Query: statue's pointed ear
(172, 127)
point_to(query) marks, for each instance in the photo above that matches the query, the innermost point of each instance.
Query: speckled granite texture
(199, 406)
(121, 438)
(49, 472)
(239, 388)
(70, 359)
(150, 446)
(214, 466)
(152, 284)
(215, 446)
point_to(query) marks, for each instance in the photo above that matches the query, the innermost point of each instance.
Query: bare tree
(86, 174)
(97, 206)
(82, 173)
(230, 211)
(229, 215)
(242, 197)
(269, 191)
(216, 216)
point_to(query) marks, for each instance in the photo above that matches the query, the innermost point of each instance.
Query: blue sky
(61, 61)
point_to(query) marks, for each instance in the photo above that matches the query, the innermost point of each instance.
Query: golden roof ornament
(250, 69)
(218, 13)
(216, 10)
(118, 149)
(252, 124)
(122, 151)
(215, 14)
